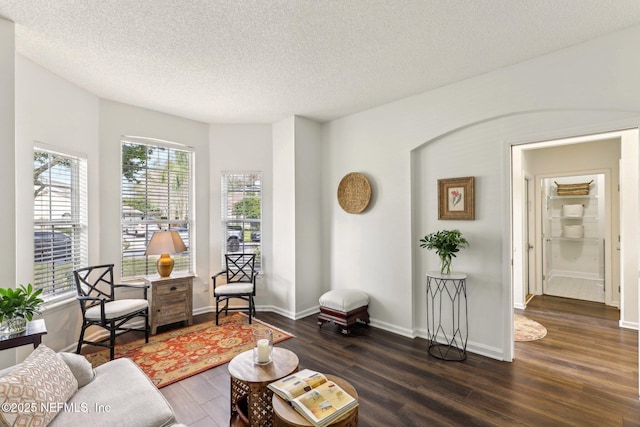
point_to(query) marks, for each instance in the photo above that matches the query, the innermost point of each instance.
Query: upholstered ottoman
(344, 307)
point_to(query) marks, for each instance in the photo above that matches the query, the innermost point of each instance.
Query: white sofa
(62, 389)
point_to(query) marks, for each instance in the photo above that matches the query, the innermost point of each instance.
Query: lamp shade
(165, 242)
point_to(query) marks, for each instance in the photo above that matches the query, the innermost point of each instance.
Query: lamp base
(164, 265)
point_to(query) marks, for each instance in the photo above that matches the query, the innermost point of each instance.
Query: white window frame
(60, 223)
(238, 230)
(136, 230)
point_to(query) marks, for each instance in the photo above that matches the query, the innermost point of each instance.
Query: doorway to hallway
(615, 154)
(575, 225)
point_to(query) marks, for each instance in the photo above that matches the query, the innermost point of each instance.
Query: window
(242, 214)
(156, 194)
(60, 218)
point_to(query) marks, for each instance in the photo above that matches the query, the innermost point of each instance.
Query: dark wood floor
(583, 373)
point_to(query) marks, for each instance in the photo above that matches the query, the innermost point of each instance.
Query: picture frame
(456, 198)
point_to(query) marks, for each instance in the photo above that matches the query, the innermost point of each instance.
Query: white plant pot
(573, 210)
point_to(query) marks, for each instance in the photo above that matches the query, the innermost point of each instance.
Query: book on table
(315, 397)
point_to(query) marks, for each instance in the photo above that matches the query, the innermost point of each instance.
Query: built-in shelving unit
(574, 243)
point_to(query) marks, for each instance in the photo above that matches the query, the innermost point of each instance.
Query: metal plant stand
(447, 296)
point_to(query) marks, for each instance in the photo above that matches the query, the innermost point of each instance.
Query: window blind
(60, 221)
(156, 194)
(242, 213)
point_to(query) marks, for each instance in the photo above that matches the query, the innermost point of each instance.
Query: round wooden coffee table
(249, 383)
(285, 416)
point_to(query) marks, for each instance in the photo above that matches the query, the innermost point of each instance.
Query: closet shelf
(594, 196)
(575, 239)
(574, 218)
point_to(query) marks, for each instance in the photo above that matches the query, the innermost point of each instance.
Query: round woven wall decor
(354, 192)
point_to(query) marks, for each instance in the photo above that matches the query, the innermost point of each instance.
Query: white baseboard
(277, 310)
(472, 347)
(308, 312)
(628, 325)
(391, 328)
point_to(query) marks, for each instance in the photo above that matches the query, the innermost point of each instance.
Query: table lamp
(164, 243)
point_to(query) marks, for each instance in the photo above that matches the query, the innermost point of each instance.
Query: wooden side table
(250, 381)
(285, 416)
(33, 335)
(171, 300)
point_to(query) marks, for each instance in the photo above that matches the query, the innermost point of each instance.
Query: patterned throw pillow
(34, 392)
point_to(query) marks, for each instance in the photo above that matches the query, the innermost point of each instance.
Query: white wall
(7, 161)
(308, 223)
(630, 227)
(283, 277)
(297, 279)
(54, 112)
(240, 147)
(118, 119)
(467, 128)
(7, 138)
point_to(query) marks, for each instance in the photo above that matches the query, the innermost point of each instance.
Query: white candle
(263, 350)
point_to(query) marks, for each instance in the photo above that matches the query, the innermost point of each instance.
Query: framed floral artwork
(456, 199)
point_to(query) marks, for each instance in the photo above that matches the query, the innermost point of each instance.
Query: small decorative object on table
(446, 243)
(164, 243)
(17, 306)
(262, 346)
(318, 398)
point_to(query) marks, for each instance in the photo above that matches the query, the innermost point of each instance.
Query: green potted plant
(446, 243)
(17, 306)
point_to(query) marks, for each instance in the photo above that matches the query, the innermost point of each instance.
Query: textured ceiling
(232, 61)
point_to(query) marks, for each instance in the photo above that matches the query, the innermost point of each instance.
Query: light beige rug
(526, 329)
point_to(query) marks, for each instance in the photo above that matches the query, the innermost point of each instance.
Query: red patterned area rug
(175, 355)
(526, 329)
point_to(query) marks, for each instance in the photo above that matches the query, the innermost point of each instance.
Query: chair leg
(112, 341)
(146, 327)
(217, 312)
(251, 308)
(79, 348)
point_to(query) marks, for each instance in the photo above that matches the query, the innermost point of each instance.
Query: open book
(315, 397)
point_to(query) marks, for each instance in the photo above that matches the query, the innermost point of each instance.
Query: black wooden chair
(96, 294)
(241, 284)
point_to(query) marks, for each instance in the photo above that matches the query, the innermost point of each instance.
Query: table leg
(260, 409)
(238, 391)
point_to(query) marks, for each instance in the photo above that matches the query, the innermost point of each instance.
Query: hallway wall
(464, 129)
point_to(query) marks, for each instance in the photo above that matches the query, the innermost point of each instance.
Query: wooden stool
(344, 307)
(285, 416)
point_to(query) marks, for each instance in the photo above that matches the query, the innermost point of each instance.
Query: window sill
(58, 303)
